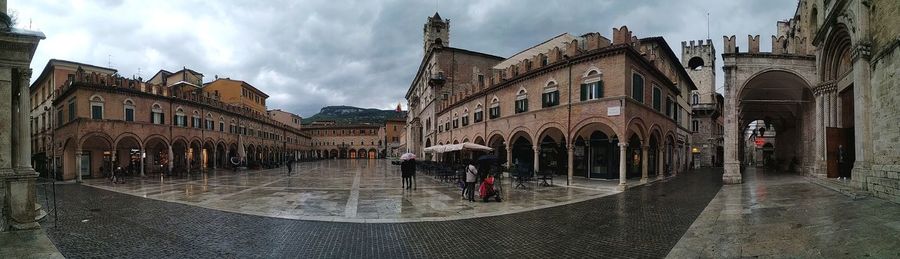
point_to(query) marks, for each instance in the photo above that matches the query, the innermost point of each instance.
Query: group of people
(487, 189)
(408, 172)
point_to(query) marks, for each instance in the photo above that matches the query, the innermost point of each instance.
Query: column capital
(862, 50)
(645, 148)
(25, 73)
(622, 144)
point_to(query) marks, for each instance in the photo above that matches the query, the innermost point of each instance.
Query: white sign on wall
(613, 111)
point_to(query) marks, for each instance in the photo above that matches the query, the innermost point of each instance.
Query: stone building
(394, 132)
(332, 141)
(286, 118)
(580, 106)
(18, 209)
(707, 125)
(99, 121)
(829, 83)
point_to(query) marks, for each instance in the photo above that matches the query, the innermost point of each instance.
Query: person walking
(412, 174)
(471, 177)
(290, 166)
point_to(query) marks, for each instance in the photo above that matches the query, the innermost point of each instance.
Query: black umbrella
(487, 159)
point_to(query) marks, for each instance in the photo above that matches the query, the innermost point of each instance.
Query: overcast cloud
(309, 54)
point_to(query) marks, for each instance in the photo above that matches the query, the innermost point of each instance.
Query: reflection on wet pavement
(325, 190)
(783, 215)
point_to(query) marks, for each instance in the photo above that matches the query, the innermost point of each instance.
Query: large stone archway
(769, 87)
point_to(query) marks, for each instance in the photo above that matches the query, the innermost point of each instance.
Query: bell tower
(699, 60)
(436, 32)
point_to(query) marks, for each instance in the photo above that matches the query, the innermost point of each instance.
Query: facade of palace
(88, 121)
(582, 106)
(828, 88)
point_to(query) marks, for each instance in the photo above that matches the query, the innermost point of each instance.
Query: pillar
(659, 164)
(732, 133)
(78, 155)
(571, 162)
(215, 156)
(862, 96)
(819, 165)
(623, 150)
(644, 169)
(171, 158)
(112, 161)
(537, 158)
(143, 157)
(22, 120)
(509, 155)
(834, 105)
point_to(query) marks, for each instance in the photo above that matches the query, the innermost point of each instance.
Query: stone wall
(884, 178)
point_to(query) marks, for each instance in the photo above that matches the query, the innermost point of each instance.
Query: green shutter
(600, 89)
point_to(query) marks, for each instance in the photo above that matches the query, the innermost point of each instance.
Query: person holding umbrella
(408, 170)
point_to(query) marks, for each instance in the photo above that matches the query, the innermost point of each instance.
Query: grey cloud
(308, 54)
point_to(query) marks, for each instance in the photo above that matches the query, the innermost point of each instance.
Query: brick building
(575, 105)
(89, 118)
(344, 141)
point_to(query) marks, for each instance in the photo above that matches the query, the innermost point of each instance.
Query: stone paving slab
(785, 215)
(643, 222)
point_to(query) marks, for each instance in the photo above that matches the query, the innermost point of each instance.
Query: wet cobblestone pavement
(645, 221)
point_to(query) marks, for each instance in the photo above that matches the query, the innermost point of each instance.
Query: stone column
(659, 164)
(18, 205)
(171, 158)
(732, 133)
(112, 161)
(509, 155)
(838, 111)
(623, 149)
(78, 155)
(644, 169)
(571, 162)
(826, 96)
(214, 155)
(537, 158)
(22, 120)
(820, 132)
(143, 157)
(834, 105)
(862, 96)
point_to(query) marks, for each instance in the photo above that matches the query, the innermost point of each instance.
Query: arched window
(695, 98)
(479, 113)
(494, 111)
(156, 114)
(592, 86)
(550, 97)
(180, 118)
(221, 123)
(465, 117)
(210, 125)
(455, 120)
(195, 120)
(129, 110)
(522, 101)
(96, 107)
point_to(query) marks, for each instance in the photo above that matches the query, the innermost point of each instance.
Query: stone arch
(128, 135)
(696, 63)
(542, 130)
(740, 92)
(479, 140)
(836, 55)
(101, 135)
(607, 126)
(518, 132)
(591, 71)
(637, 127)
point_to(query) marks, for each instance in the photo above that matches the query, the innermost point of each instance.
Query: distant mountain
(353, 115)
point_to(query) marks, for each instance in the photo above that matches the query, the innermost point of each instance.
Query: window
(455, 122)
(657, 98)
(481, 81)
(72, 109)
(59, 117)
(592, 87)
(695, 125)
(180, 119)
(97, 107)
(695, 99)
(156, 114)
(479, 114)
(550, 97)
(637, 87)
(129, 110)
(447, 125)
(221, 126)
(465, 120)
(522, 101)
(669, 107)
(195, 120)
(494, 111)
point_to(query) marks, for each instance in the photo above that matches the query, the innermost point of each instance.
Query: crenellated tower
(436, 32)
(699, 60)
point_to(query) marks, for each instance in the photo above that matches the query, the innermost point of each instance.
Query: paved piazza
(347, 191)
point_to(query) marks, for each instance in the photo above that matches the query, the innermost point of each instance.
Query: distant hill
(353, 115)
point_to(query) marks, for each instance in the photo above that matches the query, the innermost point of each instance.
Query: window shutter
(600, 89)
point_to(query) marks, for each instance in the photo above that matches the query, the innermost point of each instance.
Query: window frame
(637, 95)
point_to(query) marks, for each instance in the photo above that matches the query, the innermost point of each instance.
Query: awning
(457, 147)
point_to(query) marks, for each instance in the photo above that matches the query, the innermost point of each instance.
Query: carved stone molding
(861, 50)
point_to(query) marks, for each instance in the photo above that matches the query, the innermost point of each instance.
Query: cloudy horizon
(359, 53)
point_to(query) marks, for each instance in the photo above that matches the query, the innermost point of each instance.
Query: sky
(308, 54)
